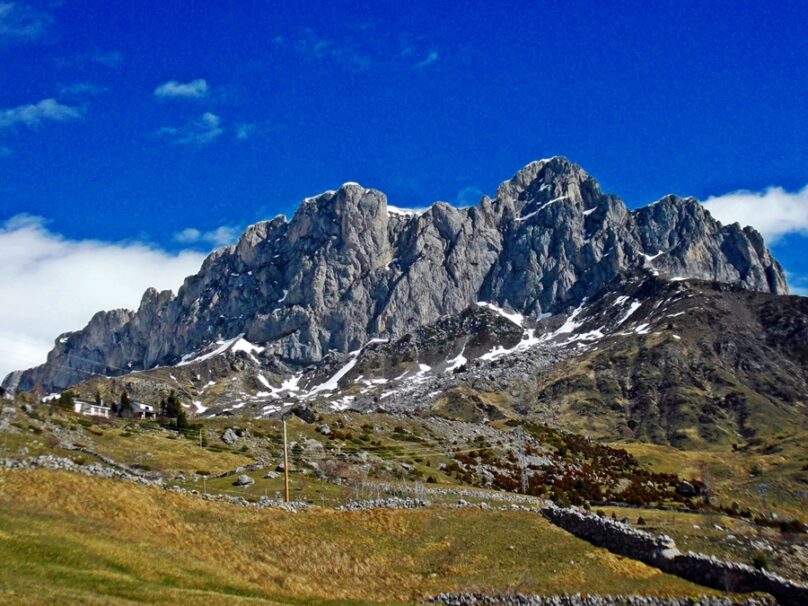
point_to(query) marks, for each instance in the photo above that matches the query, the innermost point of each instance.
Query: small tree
(97, 397)
(171, 407)
(125, 407)
(66, 400)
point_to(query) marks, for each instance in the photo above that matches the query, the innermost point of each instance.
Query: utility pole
(523, 472)
(285, 465)
(200, 437)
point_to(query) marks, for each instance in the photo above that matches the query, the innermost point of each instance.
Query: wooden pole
(285, 465)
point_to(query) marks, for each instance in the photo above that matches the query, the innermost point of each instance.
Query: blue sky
(172, 125)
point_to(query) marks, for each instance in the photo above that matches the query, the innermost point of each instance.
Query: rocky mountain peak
(348, 268)
(548, 179)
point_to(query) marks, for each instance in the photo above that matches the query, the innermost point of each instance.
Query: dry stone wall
(662, 553)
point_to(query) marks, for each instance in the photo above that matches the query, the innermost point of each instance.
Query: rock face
(347, 268)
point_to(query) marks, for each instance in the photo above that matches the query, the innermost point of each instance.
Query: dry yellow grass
(71, 539)
(159, 451)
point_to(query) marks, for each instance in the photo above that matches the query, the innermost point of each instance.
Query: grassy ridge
(72, 539)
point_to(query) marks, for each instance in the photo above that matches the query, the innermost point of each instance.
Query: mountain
(348, 270)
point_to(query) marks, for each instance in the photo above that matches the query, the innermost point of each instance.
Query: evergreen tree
(125, 407)
(173, 406)
(170, 407)
(66, 400)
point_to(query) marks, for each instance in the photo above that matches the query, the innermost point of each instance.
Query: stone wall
(517, 599)
(662, 553)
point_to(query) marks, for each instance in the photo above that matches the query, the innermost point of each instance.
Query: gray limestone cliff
(346, 268)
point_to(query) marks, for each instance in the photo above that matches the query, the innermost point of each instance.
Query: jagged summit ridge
(345, 269)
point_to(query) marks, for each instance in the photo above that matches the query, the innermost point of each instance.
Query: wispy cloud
(245, 130)
(432, 57)
(774, 212)
(33, 114)
(21, 23)
(221, 236)
(83, 88)
(198, 132)
(195, 89)
(342, 53)
(110, 59)
(44, 265)
(468, 196)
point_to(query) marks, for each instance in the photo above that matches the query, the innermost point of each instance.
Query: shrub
(760, 561)
(792, 527)
(641, 521)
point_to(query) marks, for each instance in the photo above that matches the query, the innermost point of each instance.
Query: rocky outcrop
(348, 268)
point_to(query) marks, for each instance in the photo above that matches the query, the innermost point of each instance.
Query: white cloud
(431, 58)
(172, 89)
(33, 114)
(244, 130)
(201, 131)
(21, 23)
(52, 285)
(221, 236)
(774, 212)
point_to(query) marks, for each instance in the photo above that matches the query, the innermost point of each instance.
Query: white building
(143, 411)
(91, 409)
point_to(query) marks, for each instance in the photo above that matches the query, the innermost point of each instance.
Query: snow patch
(248, 348)
(457, 361)
(222, 347)
(529, 339)
(514, 317)
(406, 212)
(635, 305)
(333, 382)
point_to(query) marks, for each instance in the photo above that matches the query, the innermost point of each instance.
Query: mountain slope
(347, 269)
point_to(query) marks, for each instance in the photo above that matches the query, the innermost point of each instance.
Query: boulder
(229, 436)
(243, 480)
(686, 489)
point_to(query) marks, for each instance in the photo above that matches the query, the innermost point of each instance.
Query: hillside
(431, 513)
